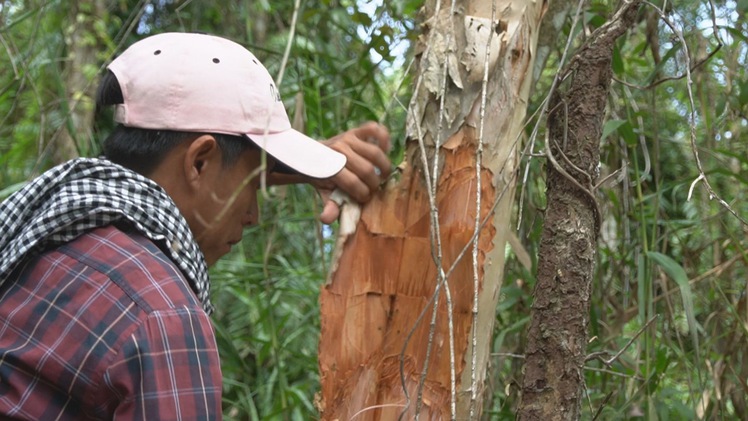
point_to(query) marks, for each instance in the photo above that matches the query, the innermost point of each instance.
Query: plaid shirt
(103, 327)
(73, 198)
(97, 322)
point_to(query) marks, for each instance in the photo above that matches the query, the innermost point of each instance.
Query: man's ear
(201, 158)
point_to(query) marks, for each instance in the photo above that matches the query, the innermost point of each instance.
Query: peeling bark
(553, 382)
(376, 309)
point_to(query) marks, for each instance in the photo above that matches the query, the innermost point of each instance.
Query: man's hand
(365, 148)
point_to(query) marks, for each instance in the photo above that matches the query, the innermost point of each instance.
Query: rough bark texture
(552, 388)
(377, 306)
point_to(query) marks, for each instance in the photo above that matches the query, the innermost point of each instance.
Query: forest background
(669, 295)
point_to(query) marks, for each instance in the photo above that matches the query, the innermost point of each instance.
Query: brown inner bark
(378, 293)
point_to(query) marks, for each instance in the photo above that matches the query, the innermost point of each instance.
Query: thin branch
(414, 114)
(278, 82)
(437, 243)
(600, 408)
(601, 370)
(561, 170)
(508, 354)
(698, 64)
(10, 56)
(671, 78)
(289, 43)
(370, 408)
(609, 362)
(614, 373)
(395, 99)
(692, 115)
(642, 139)
(544, 108)
(476, 230)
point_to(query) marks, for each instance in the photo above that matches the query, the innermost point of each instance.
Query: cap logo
(274, 93)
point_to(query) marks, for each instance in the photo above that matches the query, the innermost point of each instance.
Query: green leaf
(362, 19)
(617, 64)
(661, 362)
(628, 134)
(743, 97)
(670, 54)
(676, 272)
(610, 127)
(737, 33)
(721, 104)
(743, 6)
(641, 290)
(595, 19)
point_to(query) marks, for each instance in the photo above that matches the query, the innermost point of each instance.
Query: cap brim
(300, 153)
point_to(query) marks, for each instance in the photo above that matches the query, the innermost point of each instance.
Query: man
(104, 292)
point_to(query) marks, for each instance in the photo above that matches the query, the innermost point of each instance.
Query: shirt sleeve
(168, 369)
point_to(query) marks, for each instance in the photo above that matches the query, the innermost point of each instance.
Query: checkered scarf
(73, 198)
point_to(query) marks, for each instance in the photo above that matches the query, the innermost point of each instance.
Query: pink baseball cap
(204, 83)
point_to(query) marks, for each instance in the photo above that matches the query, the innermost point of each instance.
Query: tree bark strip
(373, 344)
(553, 382)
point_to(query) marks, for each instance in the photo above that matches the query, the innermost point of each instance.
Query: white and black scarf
(86, 193)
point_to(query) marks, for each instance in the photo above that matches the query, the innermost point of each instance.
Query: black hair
(142, 150)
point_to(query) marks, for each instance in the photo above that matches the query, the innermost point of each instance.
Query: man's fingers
(371, 154)
(367, 164)
(352, 184)
(376, 133)
(370, 141)
(361, 166)
(330, 212)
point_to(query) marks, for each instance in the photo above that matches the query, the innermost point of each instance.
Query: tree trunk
(407, 313)
(552, 388)
(81, 71)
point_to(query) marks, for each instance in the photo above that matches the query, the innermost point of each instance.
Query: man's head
(206, 84)
(197, 113)
(142, 150)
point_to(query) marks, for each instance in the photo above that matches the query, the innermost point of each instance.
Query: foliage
(668, 250)
(340, 72)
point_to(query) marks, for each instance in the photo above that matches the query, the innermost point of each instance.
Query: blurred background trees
(669, 250)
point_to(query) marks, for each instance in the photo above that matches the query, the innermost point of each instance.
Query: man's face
(226, 206)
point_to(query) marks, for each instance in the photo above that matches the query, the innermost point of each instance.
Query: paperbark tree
(407, 314)
(553, 382)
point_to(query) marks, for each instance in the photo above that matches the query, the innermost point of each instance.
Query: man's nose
(251, 216)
